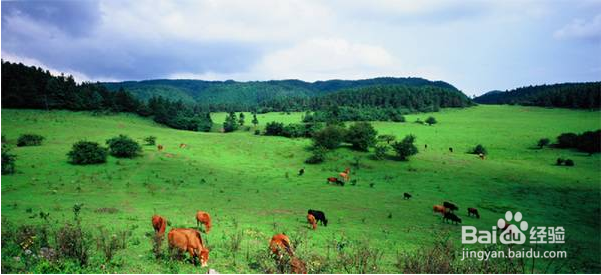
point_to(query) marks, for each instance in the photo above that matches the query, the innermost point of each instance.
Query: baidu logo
(511, 233)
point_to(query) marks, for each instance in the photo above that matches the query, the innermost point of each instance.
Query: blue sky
(475, 45)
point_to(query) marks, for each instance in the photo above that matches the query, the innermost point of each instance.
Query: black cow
(406, 196)
(425, 146)
(451, 149)
(473, 211)
(301, 171)
(450, 206)
(319, 216)
(452, 217)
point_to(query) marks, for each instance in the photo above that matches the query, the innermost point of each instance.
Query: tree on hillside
(405, 148)
(241, 119)
(231, 123)
(543, 142)
(361, 135)
(329, 137)
(255, 121)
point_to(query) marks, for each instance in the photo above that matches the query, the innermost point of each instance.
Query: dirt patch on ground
(107, 210)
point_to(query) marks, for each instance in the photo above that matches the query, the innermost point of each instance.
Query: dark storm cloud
(67, 36)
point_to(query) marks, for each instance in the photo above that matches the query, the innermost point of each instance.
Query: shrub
(150, 140)
(397, 117)
(479, 149)
(274, 128)
(330, 137)
(589, 142)
(567, 140)
(231, 123)
(8, 161)
(123, 147)
(380, 152)
(569, 162)
(110, 243)
(361, 135)
(543, 142)
(257, 132)
(30, 140)
(319, 155)
(293, 130)
(87, 152)
(431, 120)
(405, 148)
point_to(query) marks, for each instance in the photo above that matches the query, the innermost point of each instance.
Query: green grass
(251, 180)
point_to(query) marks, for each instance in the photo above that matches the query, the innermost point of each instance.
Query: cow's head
(325, 222)
(204, 257)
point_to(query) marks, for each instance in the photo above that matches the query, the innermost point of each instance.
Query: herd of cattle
(190, 240)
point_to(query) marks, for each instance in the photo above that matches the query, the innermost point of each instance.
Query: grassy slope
(245, 180)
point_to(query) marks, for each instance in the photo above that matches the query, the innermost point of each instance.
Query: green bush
(150, 140)
(8, 161)
(567, 140)
(405, 148)
(319, 155)
(380, 151)
(569, 162)
(257, 132)
(330, 137)
(30, 140)
(293, 130)
(431, 120)
(123, 147)
(479, 149)
(87, 152)
(231, 123)
(543, 142)
(274, 128)
(559, 161)
(361, 135)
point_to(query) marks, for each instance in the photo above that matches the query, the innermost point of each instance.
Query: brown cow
(204, 218)
(185, 239)
(298, 266)
(439, 209)
(279, 242)
(159, 224)
(160, 147)
(182, 145)
(346, 174)
(311, 221)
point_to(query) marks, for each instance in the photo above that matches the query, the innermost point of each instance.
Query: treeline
(566, 95)
(33, 88)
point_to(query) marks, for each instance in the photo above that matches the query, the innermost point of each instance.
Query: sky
(477, 46)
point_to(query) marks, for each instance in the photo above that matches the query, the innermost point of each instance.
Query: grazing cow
(451, 149)
(182, 145)
(319, 216)
(406, 196)
(346, 174)
(280, 242)
(159, 224)
(297, 266)
(301, 171)
(482, 156)
(439, 209)
(204, 218)
(473, 211)
(335, 180)
(311, 221)
(425, 146)
(450, 216)
(160, 147)
(450, 206)
(185, 239)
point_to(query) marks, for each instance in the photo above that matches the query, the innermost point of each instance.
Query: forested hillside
(566, 95)
(227, 95)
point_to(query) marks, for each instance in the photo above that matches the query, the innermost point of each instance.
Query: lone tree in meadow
(405, 148)
(231, 123)
(329, 137)
(123, 147)
(255, 121)
(543, 142)
(361, 135)
(87, 152)
(241, 119)
(431, 120)
(8, 161)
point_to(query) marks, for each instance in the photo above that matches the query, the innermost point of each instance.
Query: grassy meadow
(249, 185)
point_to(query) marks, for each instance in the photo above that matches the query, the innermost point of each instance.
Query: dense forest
(566, 95)
(34, 88)
(337, 100)
(274, 95)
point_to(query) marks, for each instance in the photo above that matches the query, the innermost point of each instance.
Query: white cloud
(581, 29)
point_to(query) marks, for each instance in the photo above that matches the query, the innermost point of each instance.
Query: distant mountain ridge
(255, 92)
(565, 95)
